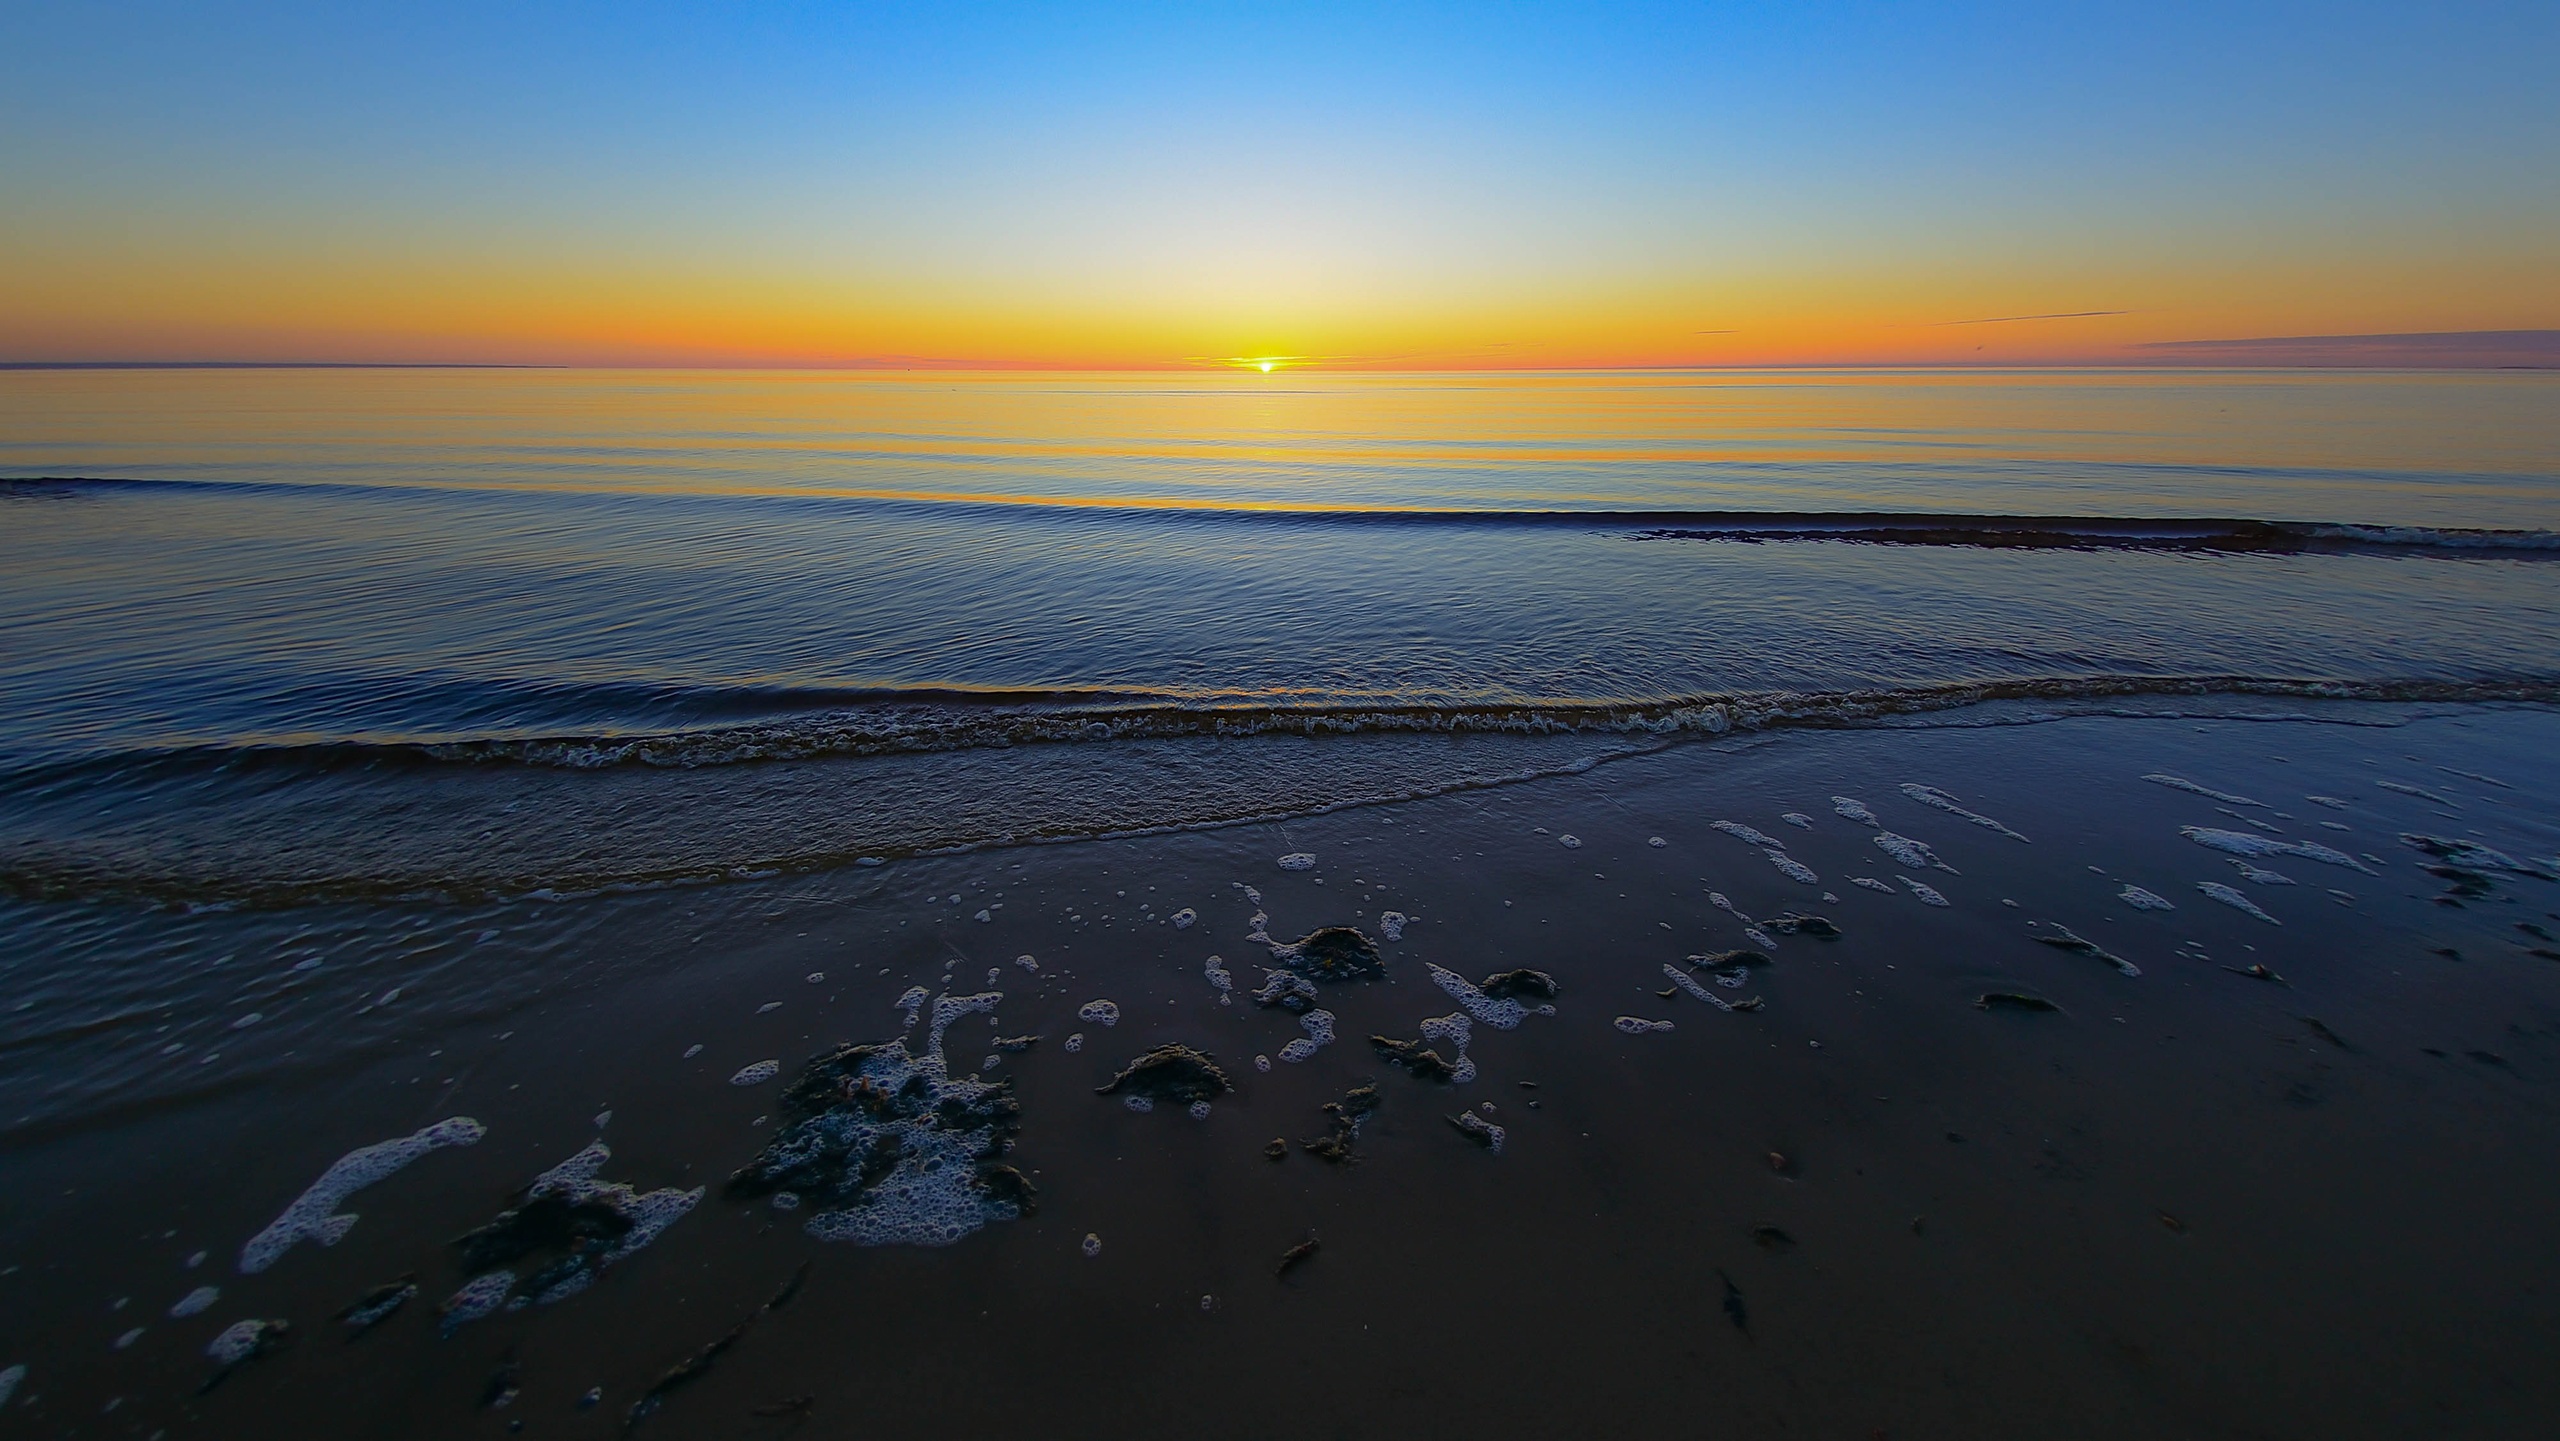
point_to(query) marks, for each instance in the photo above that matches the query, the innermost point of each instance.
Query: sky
(1120, 186)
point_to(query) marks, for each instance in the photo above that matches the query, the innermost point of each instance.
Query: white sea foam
(1182, 919)
(2332, 802)
(757, 1074)
(1502, 1013)
(1221, 979)
(1741, 832)
(1798, 819)
(2258, 876)
(2467, 853)
(1928, 894)
(1915, 854)
(2235, 900)
(480, 1296)
(1278, 986)
(1393, 924)
(1871, 883)
(1072, 1044)
(1638, 1025)
(1027, 963)
(1571, 843)
(1099, 1013)
(10, 1380)
(1298, 861)
(1689, 983)
(911, 1001)
(2241, 843)
(1656, 842)
(1455, 1029)
(1486, 1131)
(1760, 938)
(2183, 784)
(2421, 792)
(1092, 1244)
(1319, 1028)
(1792, 869)
(1932, 796)
(1136, 1102)
(2142, 900)
(195, 1301)
(314, 1216)
(239, 1341)
(931, 1196)
(1262, 1063)
(1856, 810)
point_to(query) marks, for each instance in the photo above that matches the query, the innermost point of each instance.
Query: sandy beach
(2194, 1200)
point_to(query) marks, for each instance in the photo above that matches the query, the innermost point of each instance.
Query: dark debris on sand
(1342, 1125)
(1414, 1057)
(377, 1305)
(554, 1222)
(1299, 1254)
(241, 1343)
(852, 1115)
(2062, 938)
(2012, 1001)
(1171, 1072)
(1511, 985)
(1792, 923)
(1333, 953)
(1727, 960)
(691, 1368)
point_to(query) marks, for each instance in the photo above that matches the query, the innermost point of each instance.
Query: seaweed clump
(579, 1223)
(2061, 937)
(1510, 985)
(1342, 1126)
(376, 1306)
(1333, 953)
(1172, 1072)
(1413, 1056)
(2012, 1001)
(890, 1147)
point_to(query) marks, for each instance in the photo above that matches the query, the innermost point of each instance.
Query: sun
(1266, 366)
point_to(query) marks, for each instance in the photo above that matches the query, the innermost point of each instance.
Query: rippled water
(258, 614)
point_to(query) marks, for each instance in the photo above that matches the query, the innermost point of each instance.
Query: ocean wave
(583, 815)
(909, 721)
(1914, 528)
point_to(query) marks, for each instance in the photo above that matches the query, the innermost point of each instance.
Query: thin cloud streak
(2009, 319)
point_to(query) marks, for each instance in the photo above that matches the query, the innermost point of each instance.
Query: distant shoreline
(274, 365)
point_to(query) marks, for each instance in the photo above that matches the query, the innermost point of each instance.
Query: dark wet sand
(2172, 1208)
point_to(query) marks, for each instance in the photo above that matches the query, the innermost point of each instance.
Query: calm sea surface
(288, 588)
(541, 768)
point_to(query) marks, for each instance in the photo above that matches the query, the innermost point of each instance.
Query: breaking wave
(908, 721)
(1919, 528)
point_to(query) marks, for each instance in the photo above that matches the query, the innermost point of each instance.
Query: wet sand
(2190, 1202)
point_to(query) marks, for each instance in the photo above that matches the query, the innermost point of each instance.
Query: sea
(279, 634)
(564, 899)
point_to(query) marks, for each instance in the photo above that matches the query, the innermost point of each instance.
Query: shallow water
(284, 601)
